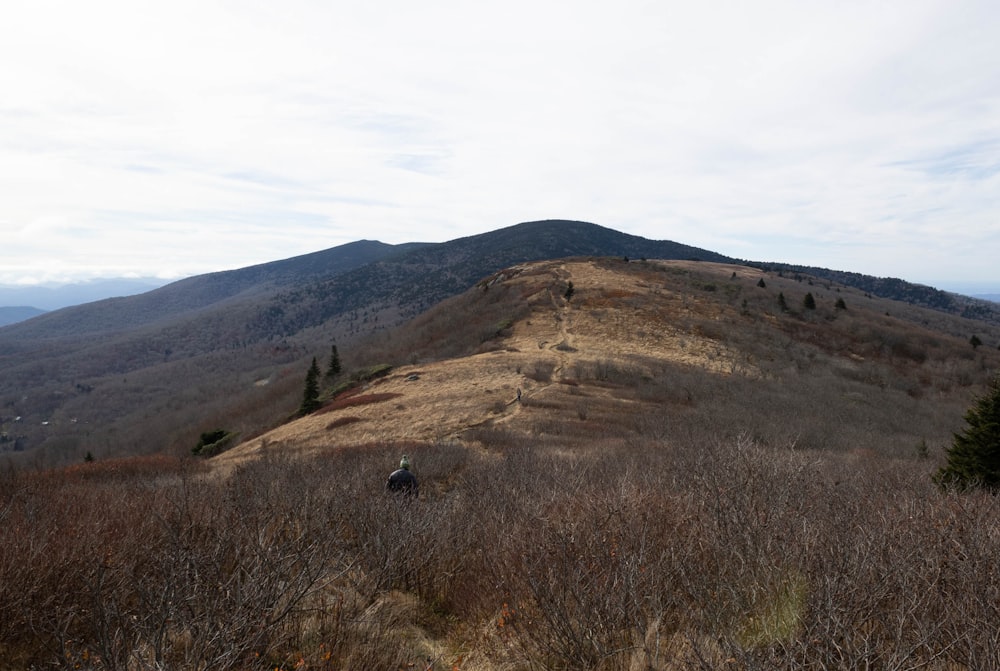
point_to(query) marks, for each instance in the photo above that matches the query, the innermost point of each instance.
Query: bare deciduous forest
(697, 477)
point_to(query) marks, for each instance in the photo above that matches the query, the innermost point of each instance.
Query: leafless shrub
(679, 549)
(541, 371)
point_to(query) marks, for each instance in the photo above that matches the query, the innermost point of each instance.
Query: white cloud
(190, 136)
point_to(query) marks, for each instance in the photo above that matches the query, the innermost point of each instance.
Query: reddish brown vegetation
(342, 421)
(351, 401)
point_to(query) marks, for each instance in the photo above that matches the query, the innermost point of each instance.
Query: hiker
(402, 481)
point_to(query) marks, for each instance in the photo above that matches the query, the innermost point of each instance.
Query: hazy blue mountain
(17, 313)
(47, 298)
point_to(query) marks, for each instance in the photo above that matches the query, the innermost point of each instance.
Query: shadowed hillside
(191, 295)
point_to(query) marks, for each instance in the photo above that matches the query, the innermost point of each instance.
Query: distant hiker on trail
(402, 481)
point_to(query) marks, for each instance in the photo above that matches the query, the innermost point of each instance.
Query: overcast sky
(176, 138)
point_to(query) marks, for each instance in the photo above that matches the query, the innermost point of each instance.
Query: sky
(170, 139)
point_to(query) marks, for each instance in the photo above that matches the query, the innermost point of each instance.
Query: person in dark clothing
(402, 481)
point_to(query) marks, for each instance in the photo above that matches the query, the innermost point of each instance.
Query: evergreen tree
(781, 302)
(809, 303)
(840, 304)
(761, 283)
(974, 457)
(569, 290)
(310, 394)
(975, 341)
(334, 368)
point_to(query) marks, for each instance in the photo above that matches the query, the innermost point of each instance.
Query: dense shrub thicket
(708, 554)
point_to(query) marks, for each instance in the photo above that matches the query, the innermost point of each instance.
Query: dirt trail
(561, 347)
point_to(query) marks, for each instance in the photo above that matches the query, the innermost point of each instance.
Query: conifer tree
(974, 457)
(809, 302)
(334, 368)
(310, 394)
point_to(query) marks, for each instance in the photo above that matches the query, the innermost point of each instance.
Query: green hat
(404, 462)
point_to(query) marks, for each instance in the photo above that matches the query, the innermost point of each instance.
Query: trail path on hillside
(560, 346)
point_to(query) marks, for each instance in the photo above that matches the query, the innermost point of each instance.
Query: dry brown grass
(638, 338)
(559, 337)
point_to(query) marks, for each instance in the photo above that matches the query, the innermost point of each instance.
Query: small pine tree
(570, 290)
(333, 370)
(761, 283)
(809, 303)
(310, 394)
(89, 458)
(974, 457)
(975, 341)
(782, 303)
(840, 304)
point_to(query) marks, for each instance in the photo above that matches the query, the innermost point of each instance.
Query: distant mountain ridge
(891, 287)
(151, 371)
(47, 298)
(192, 294)
(407, 283)
(17, 313)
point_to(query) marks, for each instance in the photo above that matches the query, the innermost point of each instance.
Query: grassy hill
(980, 308)
(144, 373)
(703, 339)
(701, 472)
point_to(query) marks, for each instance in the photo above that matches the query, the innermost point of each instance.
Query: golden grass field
(440, 400)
